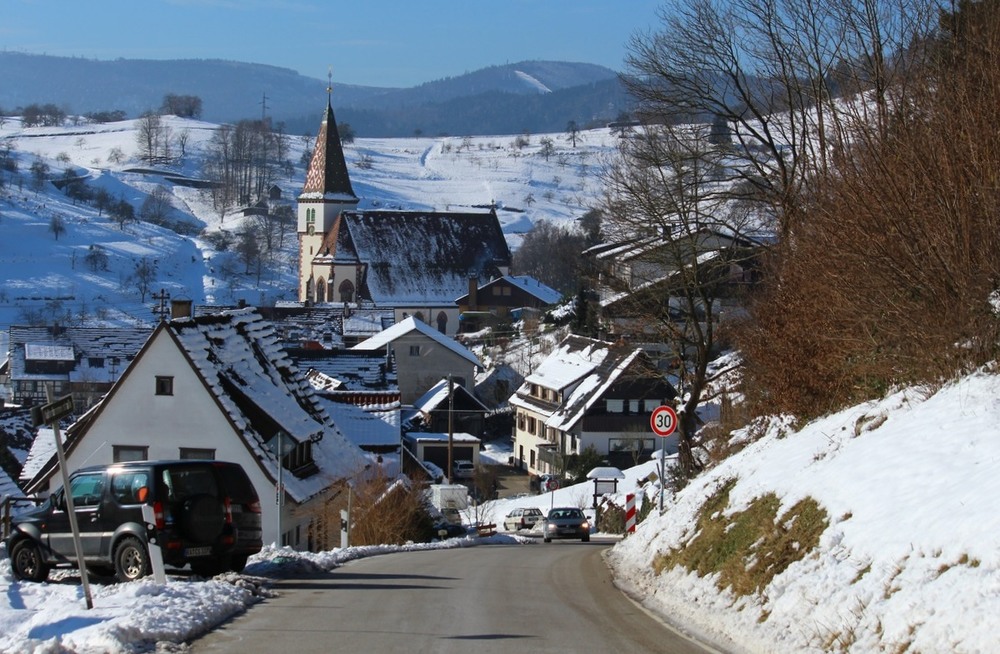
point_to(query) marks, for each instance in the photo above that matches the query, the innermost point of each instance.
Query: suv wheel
(131, 560)
(26, 561)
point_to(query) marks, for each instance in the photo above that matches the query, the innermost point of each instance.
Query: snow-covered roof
(382, 339)
(532, 286)
(366, 427)
(439, 437)
(43, 450)
(97, 354)
(355, 370)
(238, 355)
(7, 486)
(419, 258)
(583, 369)
(438, 394)
(239, 359)
(47, 352)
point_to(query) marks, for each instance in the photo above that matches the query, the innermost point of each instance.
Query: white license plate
(198, 551)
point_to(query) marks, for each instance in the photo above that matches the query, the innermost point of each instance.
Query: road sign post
(663, 422)
(51, 413)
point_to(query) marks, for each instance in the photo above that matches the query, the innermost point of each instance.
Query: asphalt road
(555, 597)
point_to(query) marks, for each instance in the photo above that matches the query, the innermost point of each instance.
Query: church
(414, 262)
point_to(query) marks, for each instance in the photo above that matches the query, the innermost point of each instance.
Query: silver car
(566, 522)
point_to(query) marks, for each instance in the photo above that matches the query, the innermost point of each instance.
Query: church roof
(327, 177)
(417, 258)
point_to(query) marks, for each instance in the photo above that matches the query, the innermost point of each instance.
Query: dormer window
(300, 460)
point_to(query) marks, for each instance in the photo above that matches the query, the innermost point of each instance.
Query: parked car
(522, 518)
(463, 470)
(565, 523)
(207, 514)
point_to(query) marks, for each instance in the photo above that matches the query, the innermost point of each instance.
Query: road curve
(540, 598)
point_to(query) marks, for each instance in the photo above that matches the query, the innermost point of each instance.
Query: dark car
(206, 514)
(565, 523)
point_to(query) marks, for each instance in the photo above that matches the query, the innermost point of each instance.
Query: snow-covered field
(40, 274)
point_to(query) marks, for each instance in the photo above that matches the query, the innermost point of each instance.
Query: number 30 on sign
(663, 421)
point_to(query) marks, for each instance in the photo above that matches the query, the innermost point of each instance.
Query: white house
(587, 393)
(423, 357)
(219, 387)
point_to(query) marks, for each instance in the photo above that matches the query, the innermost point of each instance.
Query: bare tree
(156, 207)
(57, 226)
(144, 276)
(773, 71)
(153, 138)
(663, 196)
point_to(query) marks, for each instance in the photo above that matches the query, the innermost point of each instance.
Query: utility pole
(451, 427)
(161, 310)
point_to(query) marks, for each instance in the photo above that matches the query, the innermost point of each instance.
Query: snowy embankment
(908, 561)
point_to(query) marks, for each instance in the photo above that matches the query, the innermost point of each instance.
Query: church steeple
(327, 175)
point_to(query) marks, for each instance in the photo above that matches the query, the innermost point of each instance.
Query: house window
(520, 421)
(506, 291)
(414, 350)
(649, 405)
(95, 362)
(164, 385)
(197, 453)
(531, 426)
(633, 406)
(496, 290)
(616, 406)
(121, 453)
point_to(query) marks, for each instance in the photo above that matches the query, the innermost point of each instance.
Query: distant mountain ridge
(533, 96)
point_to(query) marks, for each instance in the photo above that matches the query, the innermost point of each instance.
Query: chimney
(180, 308)
(473, 292)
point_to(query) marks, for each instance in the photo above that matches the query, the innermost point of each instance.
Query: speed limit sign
(663, 421)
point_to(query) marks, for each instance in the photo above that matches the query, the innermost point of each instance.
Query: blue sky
(369, 42)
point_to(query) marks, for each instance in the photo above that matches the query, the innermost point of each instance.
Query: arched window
(321, 290)
(346, 291)
(442, 321)
(419, 315)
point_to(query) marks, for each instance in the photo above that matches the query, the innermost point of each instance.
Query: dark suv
(207, 514)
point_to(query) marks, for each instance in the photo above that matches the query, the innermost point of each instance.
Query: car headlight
(585, 525)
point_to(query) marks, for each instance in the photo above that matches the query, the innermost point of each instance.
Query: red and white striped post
(630, 513)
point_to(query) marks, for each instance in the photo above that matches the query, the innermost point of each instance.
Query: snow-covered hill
(41, 276)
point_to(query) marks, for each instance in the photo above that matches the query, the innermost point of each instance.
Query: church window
(320, 290)
(442, 321)
(346, 291)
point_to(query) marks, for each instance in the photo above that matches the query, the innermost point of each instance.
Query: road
(555, 597)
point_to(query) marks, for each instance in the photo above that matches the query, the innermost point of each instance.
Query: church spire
(327, 174)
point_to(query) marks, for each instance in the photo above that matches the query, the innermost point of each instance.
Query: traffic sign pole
(54, 410)
(663, 422)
